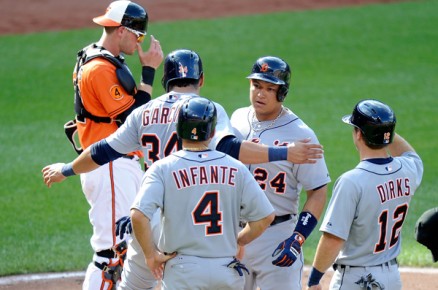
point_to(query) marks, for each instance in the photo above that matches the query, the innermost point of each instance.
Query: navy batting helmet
(181, 64)
(124, 13)
(196, 119)
(274, 70)
(376, 121)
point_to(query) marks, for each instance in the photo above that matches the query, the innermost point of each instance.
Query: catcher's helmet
(425, 231)
(181, 64)
(124, 13)
(196, 119)
(375, 119)
(274, 70)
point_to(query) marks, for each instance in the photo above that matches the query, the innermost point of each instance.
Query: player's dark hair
(182, 83)
(371, 146)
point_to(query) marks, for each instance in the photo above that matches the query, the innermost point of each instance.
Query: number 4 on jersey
(207, 213)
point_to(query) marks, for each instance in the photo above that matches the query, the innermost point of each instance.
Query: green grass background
(338, 56)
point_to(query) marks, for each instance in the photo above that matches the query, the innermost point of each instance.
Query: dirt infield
(27, 16)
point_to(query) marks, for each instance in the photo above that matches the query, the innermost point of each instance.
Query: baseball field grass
(338, 56)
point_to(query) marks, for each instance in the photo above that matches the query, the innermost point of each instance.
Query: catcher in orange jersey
(105, 94)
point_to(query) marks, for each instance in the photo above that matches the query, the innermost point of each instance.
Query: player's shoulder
(240, 112)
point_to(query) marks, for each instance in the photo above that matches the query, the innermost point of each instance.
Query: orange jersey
(103, 96)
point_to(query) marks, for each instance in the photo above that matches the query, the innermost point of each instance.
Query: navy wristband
(147, 75)
(67, 170)
(314, 277)
(277, 153)
(306, 223)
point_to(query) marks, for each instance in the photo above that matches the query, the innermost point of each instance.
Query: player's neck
(194, 146)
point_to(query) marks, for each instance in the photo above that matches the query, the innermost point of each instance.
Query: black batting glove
(123, 226)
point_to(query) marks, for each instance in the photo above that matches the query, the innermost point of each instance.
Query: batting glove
(123, 226)
(236, 265)
(288, 251)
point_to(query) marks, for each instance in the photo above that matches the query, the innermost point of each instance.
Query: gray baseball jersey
(151, 128)
(282, 181)
(368, 207)
(202, 197)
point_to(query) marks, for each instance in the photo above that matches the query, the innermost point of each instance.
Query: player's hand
(314, 287)
(156, 263)
(153, 56)
(123, 226)
(288, 251)
(238, 266)
(52, 174)
(302, 152)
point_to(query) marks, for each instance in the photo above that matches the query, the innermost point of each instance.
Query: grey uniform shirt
(202, 197)
(152, 128)
(368, 207)
(282, 181)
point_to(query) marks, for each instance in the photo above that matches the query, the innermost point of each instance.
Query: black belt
(389, 263)
(109, 254)
(278, 219)
(128, 156)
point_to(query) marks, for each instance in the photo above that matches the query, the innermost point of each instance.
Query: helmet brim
(104, 21)
(266, 78)
(347, 119)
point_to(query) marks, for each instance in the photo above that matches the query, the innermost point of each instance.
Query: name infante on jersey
(202, 175)
(391, 190)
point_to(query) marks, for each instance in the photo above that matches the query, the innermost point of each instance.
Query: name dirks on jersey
(392, 190)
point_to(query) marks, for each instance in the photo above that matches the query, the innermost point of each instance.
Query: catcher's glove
(236, 265)
(123, 226)
(287, 252)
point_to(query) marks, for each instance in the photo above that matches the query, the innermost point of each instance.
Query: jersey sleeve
(101, 80)
(151, 194)
(223, 126)
(313, 175)
(345, 196)
(126, 138)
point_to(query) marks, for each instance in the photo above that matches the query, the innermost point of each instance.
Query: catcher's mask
(124, 13)
(273, 70)
(196, 119)
(181, 64)
(375, 120)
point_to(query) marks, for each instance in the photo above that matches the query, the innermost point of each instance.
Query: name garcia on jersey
(160, 115)
(394, 189)
(203, 175)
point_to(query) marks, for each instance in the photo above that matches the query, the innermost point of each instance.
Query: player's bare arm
(316, 200)
(328, 249)
(399, 146)
(143, 232)
(299, 152)
(150, 58)
(82, 164)
(253, 230)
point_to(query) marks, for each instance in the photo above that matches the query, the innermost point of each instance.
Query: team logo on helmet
(194, 134)
(182, 70)
(264, 67)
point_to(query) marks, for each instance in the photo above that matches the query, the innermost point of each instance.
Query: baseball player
(202, 194)
(268, 122)
(105, 94)
(151, 128)
(426, 231)
(363, 222)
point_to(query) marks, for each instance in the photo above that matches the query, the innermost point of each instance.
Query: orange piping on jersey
(113, 203)
(122, 109)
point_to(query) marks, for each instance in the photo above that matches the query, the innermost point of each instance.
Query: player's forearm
(399, 146)
(328, 249)
(253, 230)
(84, 163)
(142, 231)
(315, 202)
